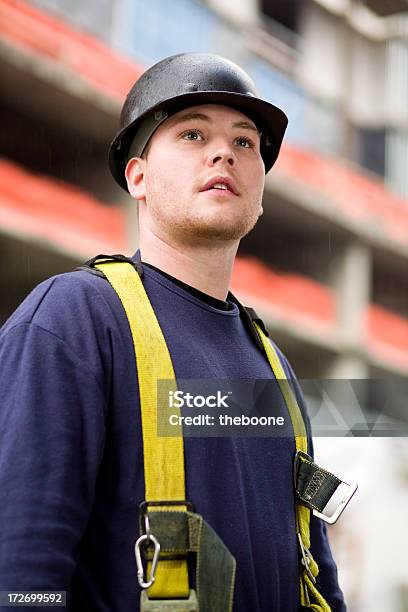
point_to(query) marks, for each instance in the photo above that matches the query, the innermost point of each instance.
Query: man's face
(188, 153)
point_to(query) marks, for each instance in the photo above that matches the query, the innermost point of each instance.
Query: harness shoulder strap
(163, 456)
(310, 597)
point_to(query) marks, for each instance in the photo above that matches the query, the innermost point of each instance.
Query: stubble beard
(189, 230)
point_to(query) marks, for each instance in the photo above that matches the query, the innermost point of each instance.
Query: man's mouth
(221, 185)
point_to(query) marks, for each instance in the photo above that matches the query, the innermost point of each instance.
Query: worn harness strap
(309, 595)
(163, 456)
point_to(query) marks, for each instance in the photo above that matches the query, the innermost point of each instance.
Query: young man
(193, 150)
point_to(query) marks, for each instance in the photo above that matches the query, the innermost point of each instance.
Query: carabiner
(146, 537)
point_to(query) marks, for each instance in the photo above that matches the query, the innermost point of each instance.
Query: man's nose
(223, 154)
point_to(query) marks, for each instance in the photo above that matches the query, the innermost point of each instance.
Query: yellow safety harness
(164, 456)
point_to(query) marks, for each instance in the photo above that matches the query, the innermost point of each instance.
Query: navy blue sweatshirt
(71, 457)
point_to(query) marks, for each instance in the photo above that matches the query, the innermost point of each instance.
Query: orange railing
(346, 189)
(28, 28)
(58, 213)
(303, 300)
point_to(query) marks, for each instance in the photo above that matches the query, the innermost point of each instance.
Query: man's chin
(219, 231)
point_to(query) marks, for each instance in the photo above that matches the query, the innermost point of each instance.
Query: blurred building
(326, 267)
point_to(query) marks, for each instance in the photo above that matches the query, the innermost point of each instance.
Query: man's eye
(192, 135)
(244, 142)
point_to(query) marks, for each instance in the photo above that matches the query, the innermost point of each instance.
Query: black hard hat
(185, 80)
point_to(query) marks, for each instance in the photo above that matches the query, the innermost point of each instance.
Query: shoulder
(287, 368)
(289, 373)
(72, 322)
(66, 304)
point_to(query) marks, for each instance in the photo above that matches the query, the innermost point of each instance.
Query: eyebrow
(192, 115)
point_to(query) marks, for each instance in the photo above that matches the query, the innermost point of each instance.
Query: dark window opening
(371, 149)
(285, 12)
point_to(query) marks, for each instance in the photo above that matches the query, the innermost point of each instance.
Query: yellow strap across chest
(163, 456)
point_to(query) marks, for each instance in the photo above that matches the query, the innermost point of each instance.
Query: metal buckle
(146, 538)
(337, 503)
(306, 557)
(145, 505)
(168, 605)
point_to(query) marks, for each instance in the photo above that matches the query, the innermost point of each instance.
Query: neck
(207, 268)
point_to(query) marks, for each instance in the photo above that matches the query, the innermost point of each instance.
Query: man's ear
(135, 177)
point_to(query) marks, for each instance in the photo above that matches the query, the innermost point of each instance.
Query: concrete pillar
(239, 12)
(346, 367)
(351, 280)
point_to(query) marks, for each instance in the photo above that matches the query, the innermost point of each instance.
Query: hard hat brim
(270, 119)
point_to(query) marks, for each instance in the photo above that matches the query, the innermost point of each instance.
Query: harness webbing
(302, 513)
(164, 456)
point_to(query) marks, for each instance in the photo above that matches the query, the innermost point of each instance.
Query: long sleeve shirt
(71, 451)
